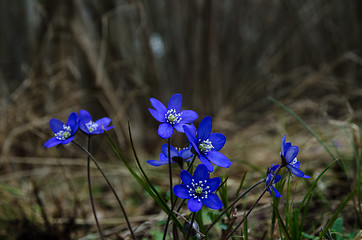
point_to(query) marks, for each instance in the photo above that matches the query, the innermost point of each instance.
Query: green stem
(110, 186)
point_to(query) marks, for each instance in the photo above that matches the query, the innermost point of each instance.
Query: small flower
(89, 127)
(207, 144)
(289, 157)
(171, 117)
(64, 133)
(177, 155)
(269, 177)
(198, 189)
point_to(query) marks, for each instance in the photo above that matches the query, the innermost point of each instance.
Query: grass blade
(335, 215)
(305, 125)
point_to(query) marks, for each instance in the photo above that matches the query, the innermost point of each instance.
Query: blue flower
(207, 144)
(89, 127)
(64, 133)
(171, 117)
(178, 156)
(198, 189)
(289, 153)
(269, 177)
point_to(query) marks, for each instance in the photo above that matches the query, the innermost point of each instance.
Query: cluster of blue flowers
(199, 188)
(64, 133)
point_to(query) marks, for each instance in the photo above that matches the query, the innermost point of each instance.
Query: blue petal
(157, 115)
(84, 128)
(218, 159)
(173, 151)
(186, 153)
(205, 127)
(55, 125)
(282, 143)
(68, 140)
(190, 133)
(158, 106)
(273, 168)
(277, 178)
(296, 164)
(156, 163)
(295, 171)
(175, 102)
(103, 122)
(291, 153)
(73, 122)
(194, 205)
(212, 201)
(188, 116)
(206, 162)
(218, 140)
(181, 191)
(179, 127)
(52, 142)
(305, 176)
(84, 116)
(201, 173)
(276, 193)
(213, 183)
(186, 177)
(163, 158)
(165, 130)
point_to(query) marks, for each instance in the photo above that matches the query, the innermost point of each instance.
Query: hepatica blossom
(177, 155)
(171, 117)
(207, 144)
(198, 189)
(64, 133)
(269, 177)
(290, 152)
(89, 127)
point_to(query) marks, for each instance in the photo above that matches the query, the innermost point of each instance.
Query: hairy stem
(256, 202)
(91, 193)
(191, 226)
(171, 192)
(232, 204)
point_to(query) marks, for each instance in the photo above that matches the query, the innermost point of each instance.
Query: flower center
(198, 190)
(206, 145)
(92, 126)
(295, 160)
(173, 117)
(64, 134)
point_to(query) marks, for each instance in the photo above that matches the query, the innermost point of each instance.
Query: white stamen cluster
(294, 161)
(64, 134)
(198, 190)
(92, 126)
(206, 146)
(173, 117)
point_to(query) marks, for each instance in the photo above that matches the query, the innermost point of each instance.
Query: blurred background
(109, 57)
